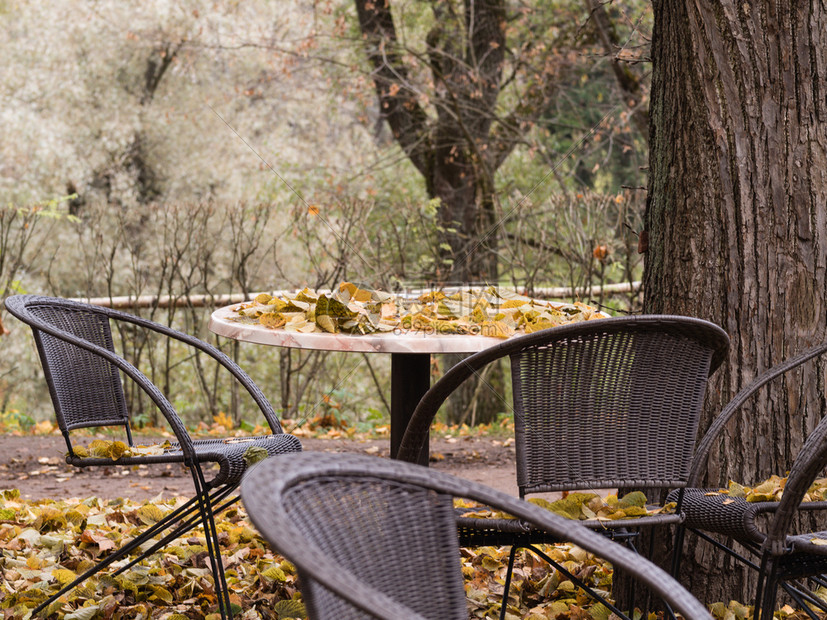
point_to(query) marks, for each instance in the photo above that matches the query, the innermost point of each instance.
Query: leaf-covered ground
(47, 543)
(44, 543)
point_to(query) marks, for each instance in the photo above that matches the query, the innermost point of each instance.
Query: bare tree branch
(398, 105)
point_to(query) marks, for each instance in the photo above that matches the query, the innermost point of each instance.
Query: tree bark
(466, 53)
(737, 220)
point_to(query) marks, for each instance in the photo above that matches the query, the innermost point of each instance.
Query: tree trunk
(467, 219)
(466, 50)
(737, 220)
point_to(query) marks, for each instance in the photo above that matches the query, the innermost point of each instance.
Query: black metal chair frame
(630, 388)
(780, 558)
(83, 372)
(310, 511)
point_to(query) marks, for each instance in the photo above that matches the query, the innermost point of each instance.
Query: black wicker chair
(602, 404)
(84, 375)
(375, 538)
(765, 529)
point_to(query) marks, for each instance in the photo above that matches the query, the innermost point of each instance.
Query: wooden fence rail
(215, 301)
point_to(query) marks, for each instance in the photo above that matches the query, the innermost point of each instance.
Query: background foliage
(195, 148)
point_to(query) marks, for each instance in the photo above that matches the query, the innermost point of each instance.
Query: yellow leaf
(64, 576)
(272, 320)
(50, 518)
(635, 511)
(117, 449)
(150, 514)
(513, 303)
(99, 448)
(222, 419)
(274, 573)
(327, 323)
(635, 498)
(162, 594)
(536, 326)
(43, 428)
(289, 609)
(496, 329)
(736, 490)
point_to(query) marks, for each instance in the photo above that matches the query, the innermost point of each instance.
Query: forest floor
(35, 465)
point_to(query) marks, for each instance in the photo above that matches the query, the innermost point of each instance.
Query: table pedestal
(410, 379)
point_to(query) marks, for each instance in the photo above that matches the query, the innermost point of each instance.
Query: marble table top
(223, 323)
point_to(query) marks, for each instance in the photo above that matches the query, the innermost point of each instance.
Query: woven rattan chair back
(375, 538)
(610, 404)
(365, 524)
(600, 404)
(85, 388)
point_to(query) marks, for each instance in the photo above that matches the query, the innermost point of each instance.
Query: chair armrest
(699, 461)
(219, 356)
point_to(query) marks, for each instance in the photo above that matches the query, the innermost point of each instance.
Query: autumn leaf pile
(47, 543)
(582, 506)
(101, 448)
(490, 312)
(771, 490)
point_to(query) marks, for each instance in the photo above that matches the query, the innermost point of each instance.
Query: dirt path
(36, 466)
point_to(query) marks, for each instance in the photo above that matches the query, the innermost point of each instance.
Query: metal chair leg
(213, 548)
(765, 592)
(677, 550)
(507, 585)
(578, 582)
(804, 599)
(123, 551)
(191, 522)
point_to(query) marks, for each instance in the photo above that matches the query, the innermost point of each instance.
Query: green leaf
(290, 609)
(600, 612)
(635, 498)
(254, 454)
(150, 514)
(274, 573)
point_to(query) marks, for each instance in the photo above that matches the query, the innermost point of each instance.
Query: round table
(410, 357)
